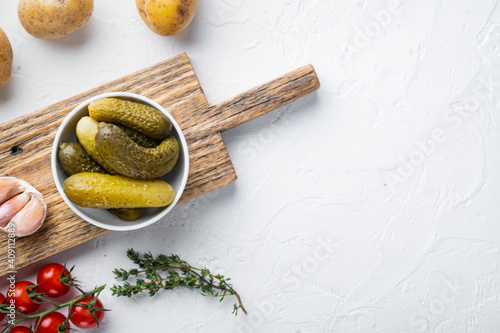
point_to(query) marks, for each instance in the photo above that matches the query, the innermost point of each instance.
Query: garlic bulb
(21, 206)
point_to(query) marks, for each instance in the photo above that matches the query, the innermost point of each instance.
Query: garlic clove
(10, 208)
(9, 187)
(23, 210)
(30, 218)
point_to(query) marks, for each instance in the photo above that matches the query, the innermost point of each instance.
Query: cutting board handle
(265, 98)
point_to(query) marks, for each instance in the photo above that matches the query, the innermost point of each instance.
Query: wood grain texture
(26, 143)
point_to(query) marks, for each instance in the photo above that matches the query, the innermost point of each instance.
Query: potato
(53, 19)
(167, 17)
(6, 57)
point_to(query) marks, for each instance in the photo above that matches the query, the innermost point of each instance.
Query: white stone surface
(371, 205)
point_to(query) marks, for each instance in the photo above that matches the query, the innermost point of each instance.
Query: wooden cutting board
(26, 143)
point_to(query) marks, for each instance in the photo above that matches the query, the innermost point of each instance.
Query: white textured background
(371, 205)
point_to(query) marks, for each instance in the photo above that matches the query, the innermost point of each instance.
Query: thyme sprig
(41, 298)
(169, 272)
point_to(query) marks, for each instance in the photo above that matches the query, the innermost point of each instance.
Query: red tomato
(20, 329)
(49, 281)
(50, 323)
(2, 297)
(82, 317)
(22, 301)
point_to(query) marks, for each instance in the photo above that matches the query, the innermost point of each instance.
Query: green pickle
(74, 159)
(132, 160)
(139, 117)
(96, 190)
(86, 130)
(139, 138)
(126, 214)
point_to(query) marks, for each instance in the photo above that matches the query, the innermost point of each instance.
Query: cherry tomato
(50, 323)
(49, 281)
(20, 329)
(82, 317)
(22, 301)
(2, 297)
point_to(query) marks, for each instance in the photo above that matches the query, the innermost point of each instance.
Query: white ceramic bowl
(177, 178)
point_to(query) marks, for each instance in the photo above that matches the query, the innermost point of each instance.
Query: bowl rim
(54, 162)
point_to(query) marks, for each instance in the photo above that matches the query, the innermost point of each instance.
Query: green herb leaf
(169, 272)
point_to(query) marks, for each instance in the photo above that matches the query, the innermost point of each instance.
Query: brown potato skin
(6, 57)
(53, 19)
(167, 17)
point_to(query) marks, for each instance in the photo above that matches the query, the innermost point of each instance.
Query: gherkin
(97, 190)
(139, 138)
(132, 160)
(140, 117)
(126, 214)
(74, 159)
(86, 130)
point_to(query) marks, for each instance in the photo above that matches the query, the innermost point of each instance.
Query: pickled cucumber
(86, 129)
(126, 214)
(142, 118)
(139, 138)
(96, 190)
(74, 159)
(129, 159)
